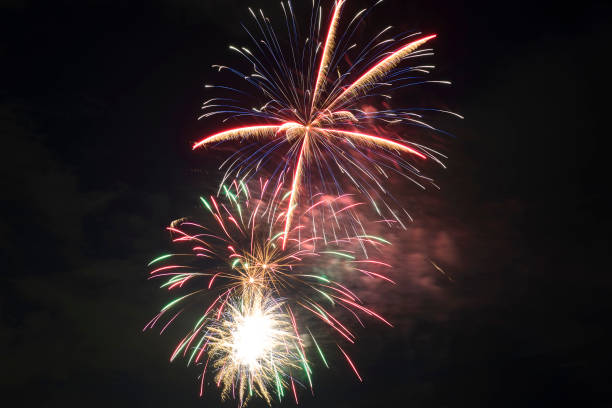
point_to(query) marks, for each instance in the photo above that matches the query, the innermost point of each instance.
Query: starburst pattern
(315, 113)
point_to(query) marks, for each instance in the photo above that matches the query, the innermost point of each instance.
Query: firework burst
(310, 106)
(253, 347)
(238, 273)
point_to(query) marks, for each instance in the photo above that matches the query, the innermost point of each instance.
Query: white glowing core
(252, 340)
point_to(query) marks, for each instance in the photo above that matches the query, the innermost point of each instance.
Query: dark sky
(98, 109)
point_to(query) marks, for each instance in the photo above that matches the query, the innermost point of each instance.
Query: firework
(267, 266)
(311, 106)
(253, 347)
(237, 271)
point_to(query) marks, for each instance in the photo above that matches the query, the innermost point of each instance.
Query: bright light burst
(260, 296)
(253, 347)
(252, 338)
(318, 110)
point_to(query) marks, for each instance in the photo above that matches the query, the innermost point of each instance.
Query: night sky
(98, 109)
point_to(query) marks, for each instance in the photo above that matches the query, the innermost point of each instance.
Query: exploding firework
(237, 271)
(253, 348)
(266, 267)
(311, 106)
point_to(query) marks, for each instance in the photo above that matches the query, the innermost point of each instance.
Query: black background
(98, 110)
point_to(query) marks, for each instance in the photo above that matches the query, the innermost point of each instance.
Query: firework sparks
(317, 111)
(253, 347)
(255, 271)
(249, 334)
